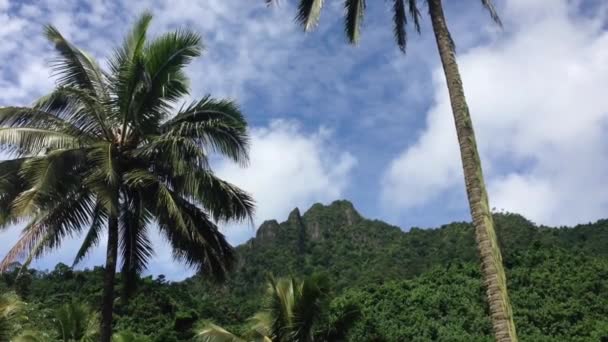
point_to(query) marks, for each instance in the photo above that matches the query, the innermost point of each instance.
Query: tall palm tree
(108, 150)
(491, 260)
(291, 314)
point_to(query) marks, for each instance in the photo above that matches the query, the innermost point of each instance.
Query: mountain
(423, 284)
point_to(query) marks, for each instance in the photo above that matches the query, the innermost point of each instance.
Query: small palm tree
(491, 260)
(291, 314)
(72, 322)
(75, 322)
(107, 150)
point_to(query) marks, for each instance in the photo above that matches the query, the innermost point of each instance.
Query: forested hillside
(420, 285)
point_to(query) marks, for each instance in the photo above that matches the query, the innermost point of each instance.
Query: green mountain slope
(418, 285)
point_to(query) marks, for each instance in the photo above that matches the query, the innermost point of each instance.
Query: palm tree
(10, 311)
(491, 260)
(291, 314)
(75, 322)
(72, 322)
(108, 148)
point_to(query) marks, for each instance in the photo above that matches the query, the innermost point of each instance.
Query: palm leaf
(92, 238)
(400, 21)
(218, 125)
(74, 67)
(176, 155)
(135, 246)
(32, 141)
(103, 159)
(214, 333)
(489, 5)
(83, 113)
(224, 201)
(165, 57)
(308, 13)
(46, 231)
(354, 16)
(44, 185)
(37, 117)
(133, 43)
(76, 322)
(195, 240)
(12, 185)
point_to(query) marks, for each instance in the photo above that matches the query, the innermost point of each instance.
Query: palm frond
(306, 309)
(217, 125)
(175, 154)
(489, 5)
(12, 185)
(135, 245)
(224, 201)
(133, 44)
(83, 113)
(43, 176)
(278, 308)
(74, 67)
(76, 322)
(214, 333)
(91, 240)
(308, 14)
(414, 13)
(46, 231)
(400, 21)
(32, 141)
(129, 77)
(103, 159)
(354, 16)
(165, 58)
(400, 14)
(129, 84)
(36, 117)
(194, 238)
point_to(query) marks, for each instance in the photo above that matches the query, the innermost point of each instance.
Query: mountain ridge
(421, 284)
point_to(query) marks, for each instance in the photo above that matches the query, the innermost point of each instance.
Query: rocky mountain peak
(267, 231)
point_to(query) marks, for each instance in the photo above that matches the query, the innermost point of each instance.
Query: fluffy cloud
(289, 168)
(539, 104)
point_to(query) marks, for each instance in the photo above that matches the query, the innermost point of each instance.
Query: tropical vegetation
(420, 285)
(114, 153)
(308, 14)
(293, 311)
(110, 153)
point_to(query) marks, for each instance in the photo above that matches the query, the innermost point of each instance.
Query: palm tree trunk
(108, 281)
(485, 235)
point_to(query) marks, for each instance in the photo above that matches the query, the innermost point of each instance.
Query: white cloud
(538, 99)
(289, 168)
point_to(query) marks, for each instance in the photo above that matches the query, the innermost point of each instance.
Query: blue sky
(366, 123)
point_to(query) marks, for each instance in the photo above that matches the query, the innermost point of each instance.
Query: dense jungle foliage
(420, 285)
